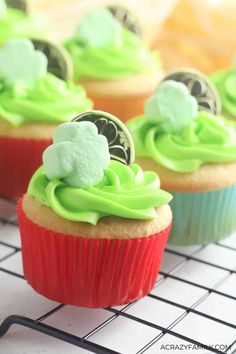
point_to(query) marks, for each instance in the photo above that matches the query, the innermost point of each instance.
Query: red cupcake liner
(19, 158)
(89, 272)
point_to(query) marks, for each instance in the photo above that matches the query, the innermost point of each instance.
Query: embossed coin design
(59, 62)
(121, 146)
(17, 4)
(199, 87)
(126, 17)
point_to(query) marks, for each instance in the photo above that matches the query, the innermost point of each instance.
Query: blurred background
(199, 33)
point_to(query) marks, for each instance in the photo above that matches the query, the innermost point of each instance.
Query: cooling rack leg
(53, 332)
(6, 324)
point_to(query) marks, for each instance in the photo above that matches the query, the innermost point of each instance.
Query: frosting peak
(225, 81)
(49, 100)
(108, 52)
(207, 139)
(16, 24)
(125, 191)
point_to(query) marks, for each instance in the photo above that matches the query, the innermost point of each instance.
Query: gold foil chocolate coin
(200, 87)
(59, 62)
(127, 17)
(121, 146)
(17, 4)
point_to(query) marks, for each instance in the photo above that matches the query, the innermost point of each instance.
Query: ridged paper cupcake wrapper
(203, 217)
(19, 158)
(89, 272)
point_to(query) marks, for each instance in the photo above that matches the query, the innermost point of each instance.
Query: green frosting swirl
(16, 24)
(207, 139)
(115, 60)
(125, 191)
(225, 82)
(49, 100)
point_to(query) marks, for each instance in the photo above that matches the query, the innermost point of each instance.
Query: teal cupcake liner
(203, 217)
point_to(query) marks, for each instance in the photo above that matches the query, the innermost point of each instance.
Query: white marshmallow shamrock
(99, 28)
(19, 61)
(172, 107)
(78, 155)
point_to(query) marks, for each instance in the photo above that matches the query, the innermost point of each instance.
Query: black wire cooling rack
(192, 307)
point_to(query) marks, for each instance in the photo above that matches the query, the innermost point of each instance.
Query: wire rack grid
(192, 308)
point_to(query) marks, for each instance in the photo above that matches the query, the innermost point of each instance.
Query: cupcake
(225, 81)
(93, 224)
(16, 23)
(194, 152)
(33, 102)
(116, 68)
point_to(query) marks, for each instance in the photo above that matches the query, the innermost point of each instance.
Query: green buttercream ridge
(125, 191)
(225, 82)
(16, 24)
(49, 100)
(207, 139)
(115, 60)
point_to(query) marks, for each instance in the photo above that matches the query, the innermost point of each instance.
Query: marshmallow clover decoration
(78, 155)
(171, 106)
(99, 28)
(19, 61)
